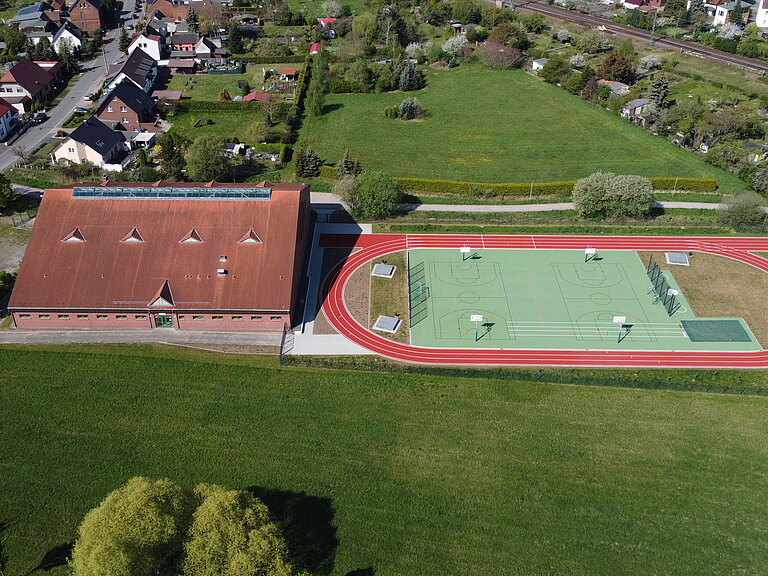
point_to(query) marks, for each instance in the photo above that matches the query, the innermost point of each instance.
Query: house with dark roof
(153, 255)
(88, 15)
(128, 105)
(92, 142)
(9, 119)
(184, 42)
(140, 68)
(206, 50)
(27, 79)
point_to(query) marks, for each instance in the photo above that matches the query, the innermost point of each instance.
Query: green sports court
(557, 299)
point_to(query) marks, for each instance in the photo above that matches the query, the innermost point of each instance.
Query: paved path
(162, 336)
(488, 208)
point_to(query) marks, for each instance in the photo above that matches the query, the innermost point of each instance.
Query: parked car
(39, 118)
(80, 110)
(88, 97)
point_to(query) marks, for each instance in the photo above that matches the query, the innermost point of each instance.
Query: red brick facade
(142, 319)
(86, 16)
(116, 110)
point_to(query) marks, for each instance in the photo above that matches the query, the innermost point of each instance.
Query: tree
(141, 157)
(6, 192)
(172, 160)
(207, 160)
(411, 78)
(271, 107)
(135, 530)
(500, 56)
(737, 13)
(606, 195)
(534, 23)
(67, 54)
(658, 94)
(745, 213)
(235, 38)
(510, 34)
(307, 163)
(616, 67)
(375, 195)
(123, 41)
(22, 153)
(593, 42)
(627, 48)
(193, 21)
(347, 167)
(556, 69)
(232, 534)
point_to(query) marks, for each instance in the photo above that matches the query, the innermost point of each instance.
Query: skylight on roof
(168, 193)
(133, 236)
(250, 238)
(75, 236)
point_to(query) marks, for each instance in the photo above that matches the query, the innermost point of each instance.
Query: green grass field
(496, 126)
(547, 299)
(424, 474)
(243, 125)
(208, 86)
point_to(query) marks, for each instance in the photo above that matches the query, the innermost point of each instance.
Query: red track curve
(375, 246)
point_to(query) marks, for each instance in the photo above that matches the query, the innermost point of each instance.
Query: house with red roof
(27, 81)
(315, 48)
(325, 22)
(288, 74)
(9, 119)
(154, 255)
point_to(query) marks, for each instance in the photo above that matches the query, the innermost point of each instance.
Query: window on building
(44, 316)
(197, 317)
(237, 317)
(25, 315)
(140, 316)
(63, 316)
(125, 120)
(218, 317)
(275, 318)
(109, 108)
(71, 150)
(256, 318)
(82, 316)
(101, 316)
(123, 109)
(121, 317)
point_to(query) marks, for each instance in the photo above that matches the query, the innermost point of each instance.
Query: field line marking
(533, 239)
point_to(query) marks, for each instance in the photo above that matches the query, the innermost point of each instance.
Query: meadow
(496, 126)
(413, 473)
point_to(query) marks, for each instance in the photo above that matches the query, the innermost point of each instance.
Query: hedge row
(539, 188)
(213, 106)
(688, 184)
(251, 59)
(507, 189)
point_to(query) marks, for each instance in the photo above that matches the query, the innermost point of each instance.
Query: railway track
(645, 36)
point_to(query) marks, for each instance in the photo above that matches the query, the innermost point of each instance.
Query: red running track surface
(374, 246)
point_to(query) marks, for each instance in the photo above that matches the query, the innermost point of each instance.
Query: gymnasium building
(189, 256)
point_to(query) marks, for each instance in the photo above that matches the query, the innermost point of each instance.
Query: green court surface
(539, 299)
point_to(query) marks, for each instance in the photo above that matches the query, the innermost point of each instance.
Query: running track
(377, 245)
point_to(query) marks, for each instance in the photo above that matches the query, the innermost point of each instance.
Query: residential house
(182, 66)
(69, 32)
(723, 12)
(127, 104)
(234, 149)
(27, 79)
(288, 74)
(93, 142)
(169, 8)
(36, 36)
(31, 12)
(257, 95)
(54, 68)
(151, 44)
(633, 4)
(140, 68)
(761, 15)
(206, 50)
(184, 42)
(538, 64)
(9, 119)
(634, 108)
(88, 15)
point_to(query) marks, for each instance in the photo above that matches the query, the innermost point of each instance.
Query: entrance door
(163, 321)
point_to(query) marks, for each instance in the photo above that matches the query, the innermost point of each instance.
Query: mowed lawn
(496, 126)
(245, 125)
(423, 474)
(208, 86)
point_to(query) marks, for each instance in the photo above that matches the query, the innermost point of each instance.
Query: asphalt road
(94, 73)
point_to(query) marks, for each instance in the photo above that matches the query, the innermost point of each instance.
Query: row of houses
(721, 10)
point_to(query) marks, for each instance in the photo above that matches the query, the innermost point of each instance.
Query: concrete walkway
(498, 208)
(160, 336)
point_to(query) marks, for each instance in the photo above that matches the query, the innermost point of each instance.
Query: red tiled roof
(287, 71)
(5, 106)
(105, 272)
(256, 95)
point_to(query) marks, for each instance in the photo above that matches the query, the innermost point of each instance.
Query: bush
(408, 109)
(607, 195)
(498, 55)
(745, 213)
(328, 172)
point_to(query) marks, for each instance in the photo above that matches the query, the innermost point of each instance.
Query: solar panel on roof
(172, 193)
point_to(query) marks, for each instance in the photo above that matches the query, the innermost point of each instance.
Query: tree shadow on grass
(332, 107)
(55, 557)
(362, 572)
(307, 524)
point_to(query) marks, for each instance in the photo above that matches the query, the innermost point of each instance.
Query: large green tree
(374, 195)
(615, 66)
(123, 41)
(135, 531)
(658, 94)
(232, 534)
(207, 160)
(6, 191)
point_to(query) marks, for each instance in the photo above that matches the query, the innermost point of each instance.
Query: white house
(634, 108)
(9, 119)
(538, 64)
(723, 12)
(761, 17)
(93, 142)
(152, 44)
(68, 32)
